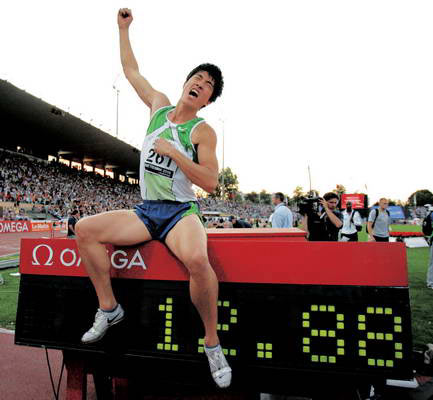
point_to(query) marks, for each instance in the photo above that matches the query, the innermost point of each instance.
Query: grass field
(421, 298)
(8, 298)
(9, 257)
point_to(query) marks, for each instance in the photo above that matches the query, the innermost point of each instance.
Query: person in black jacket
(239, 223)
(72, 220)
(324, 225)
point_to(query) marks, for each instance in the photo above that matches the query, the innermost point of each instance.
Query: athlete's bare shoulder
(204, 134)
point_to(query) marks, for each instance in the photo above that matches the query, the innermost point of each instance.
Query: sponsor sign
(260, 263)
(32, 226)
(358, 200)
(14, 226)
(41, 226)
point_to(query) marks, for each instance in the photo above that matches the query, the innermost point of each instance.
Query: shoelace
(99, 317)
(216, 360)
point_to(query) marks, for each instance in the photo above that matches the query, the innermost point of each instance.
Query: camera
(309, 205)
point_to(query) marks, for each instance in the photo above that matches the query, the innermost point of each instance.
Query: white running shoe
(103, 321)
(219, 367)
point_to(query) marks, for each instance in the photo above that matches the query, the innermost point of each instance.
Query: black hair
(216, 75)
(74, 212)
(331, 195)
(280, 196)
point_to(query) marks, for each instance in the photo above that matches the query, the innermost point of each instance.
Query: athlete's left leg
(188, 241)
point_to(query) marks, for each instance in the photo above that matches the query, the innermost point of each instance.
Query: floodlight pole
(222, 188)
(117, 104)
(117, 110)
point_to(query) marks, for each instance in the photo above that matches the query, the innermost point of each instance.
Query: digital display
(285, 307)
(361, 330)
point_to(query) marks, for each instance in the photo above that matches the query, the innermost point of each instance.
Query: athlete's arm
(205, 173)
(151, 97)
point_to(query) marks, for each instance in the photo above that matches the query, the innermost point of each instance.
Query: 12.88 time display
(292, 326)
(363, 330)
(286, 309)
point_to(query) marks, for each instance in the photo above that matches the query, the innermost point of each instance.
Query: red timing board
(238, 255)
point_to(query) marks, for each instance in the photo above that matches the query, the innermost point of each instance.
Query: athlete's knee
(83, 230)
(197, 263)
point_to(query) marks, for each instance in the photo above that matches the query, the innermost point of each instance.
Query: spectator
(429, 219)
(282, 216)
(379, 221)
(239, 223)
(352, 224)
(227, 224)
(72, 220)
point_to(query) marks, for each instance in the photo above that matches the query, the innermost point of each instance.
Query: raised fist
(124, 18)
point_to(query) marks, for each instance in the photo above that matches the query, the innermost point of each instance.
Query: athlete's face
(198, 90)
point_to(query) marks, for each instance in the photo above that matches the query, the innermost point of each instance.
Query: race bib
(160, 165)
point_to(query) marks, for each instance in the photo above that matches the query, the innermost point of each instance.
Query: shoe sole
(100, 337)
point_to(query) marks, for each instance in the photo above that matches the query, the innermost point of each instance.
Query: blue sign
(396, 212)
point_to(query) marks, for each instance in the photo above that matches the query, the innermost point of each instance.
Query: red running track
(24, 372)
(10, 242)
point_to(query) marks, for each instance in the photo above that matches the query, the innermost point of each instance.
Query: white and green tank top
(160, 177)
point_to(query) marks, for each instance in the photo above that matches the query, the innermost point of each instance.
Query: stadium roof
(42, 129)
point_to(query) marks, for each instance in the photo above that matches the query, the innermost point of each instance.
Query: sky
(345, 87)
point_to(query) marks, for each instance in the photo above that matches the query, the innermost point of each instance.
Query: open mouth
(193, 93)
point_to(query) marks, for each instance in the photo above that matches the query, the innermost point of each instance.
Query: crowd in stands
(418, 212)
(245, 210)
(57, 189)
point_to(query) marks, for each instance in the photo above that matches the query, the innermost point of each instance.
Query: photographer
(352, 224)
(321, 223)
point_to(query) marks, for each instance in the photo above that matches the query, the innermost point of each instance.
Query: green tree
(239, 198)
(253, 197)
(229, 180)
(423, 196)
(298, 193)
(339, 189)
(265, 197)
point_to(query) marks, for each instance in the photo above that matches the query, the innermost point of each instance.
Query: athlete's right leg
(122, 228)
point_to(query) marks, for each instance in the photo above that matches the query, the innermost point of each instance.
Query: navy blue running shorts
(160, 216)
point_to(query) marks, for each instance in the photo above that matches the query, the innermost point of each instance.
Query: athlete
(179, 150)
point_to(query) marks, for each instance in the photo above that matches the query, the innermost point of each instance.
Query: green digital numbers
(322, 333)
(167, 309)
(379, 336)
(264, 350)
(225, 327)
(379, 330)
